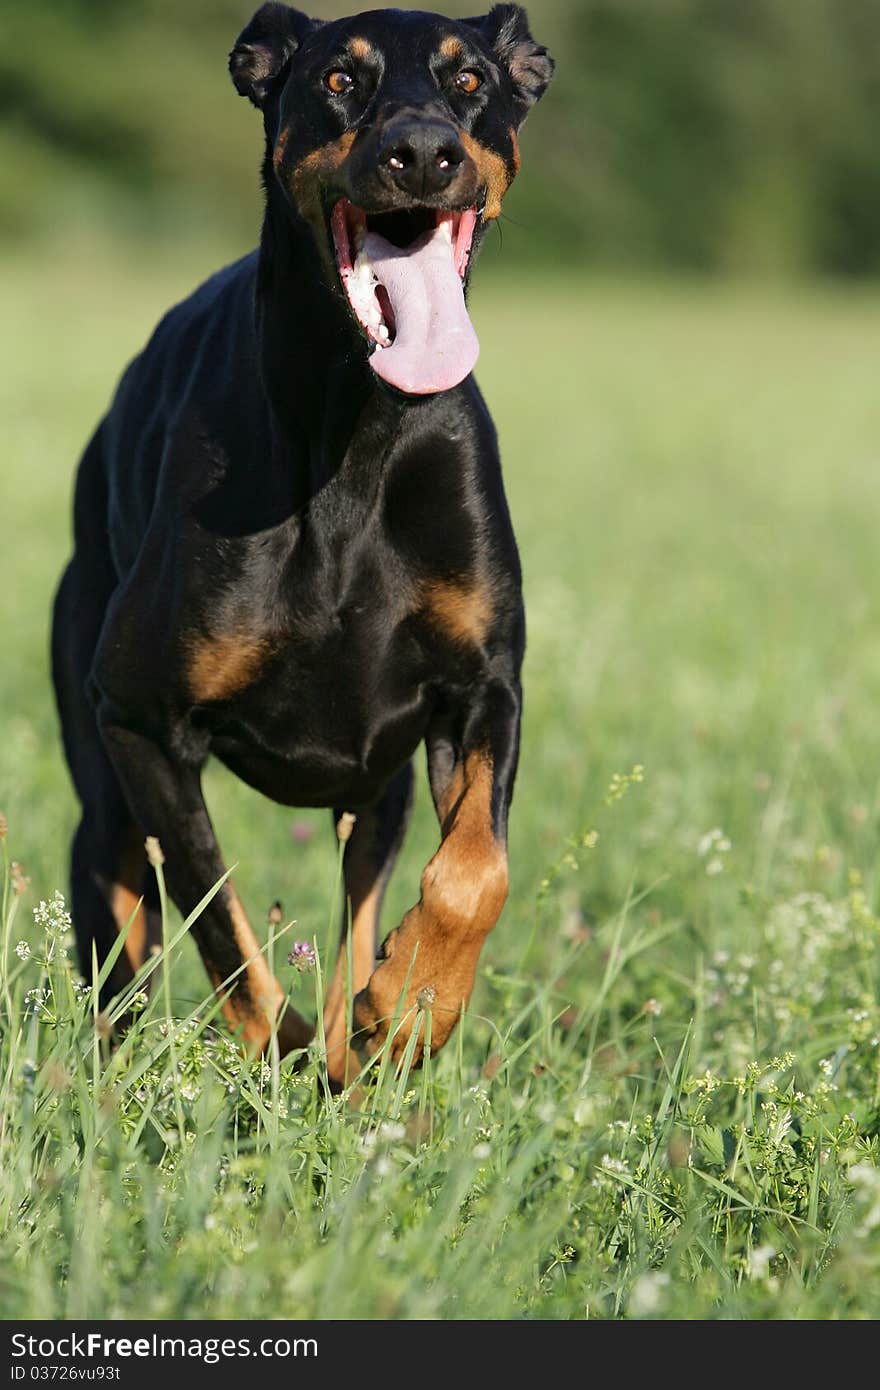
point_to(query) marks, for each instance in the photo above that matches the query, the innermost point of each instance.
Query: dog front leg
(369, 859)
(430, 960)
(165, 797)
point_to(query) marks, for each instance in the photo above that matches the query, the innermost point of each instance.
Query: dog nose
(421, 157)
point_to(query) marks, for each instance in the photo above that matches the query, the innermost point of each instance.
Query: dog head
(393, 135)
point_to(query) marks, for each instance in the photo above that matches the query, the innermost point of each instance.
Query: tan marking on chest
(492, 172)
(220, 667)
(463, 611)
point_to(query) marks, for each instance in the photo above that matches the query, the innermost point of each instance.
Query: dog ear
(530, 67)
(264, 48)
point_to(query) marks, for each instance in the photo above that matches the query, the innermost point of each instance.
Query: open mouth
(403, 273)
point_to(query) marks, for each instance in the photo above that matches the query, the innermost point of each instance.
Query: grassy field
(665, 1100)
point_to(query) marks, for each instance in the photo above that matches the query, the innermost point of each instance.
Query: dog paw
(420, 986)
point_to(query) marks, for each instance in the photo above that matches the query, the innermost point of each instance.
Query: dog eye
(468, 81)
(339, 82)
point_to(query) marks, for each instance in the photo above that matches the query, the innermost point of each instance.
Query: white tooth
(446, 229)
(363, 276)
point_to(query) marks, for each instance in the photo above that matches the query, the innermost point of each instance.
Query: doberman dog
(292, 545)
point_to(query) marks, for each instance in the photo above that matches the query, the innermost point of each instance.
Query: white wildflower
(713, 842)
(35, 1000)
(759, 1261)
(647, 1294)
(612, 1165)
(52, 916)
(391, 1131)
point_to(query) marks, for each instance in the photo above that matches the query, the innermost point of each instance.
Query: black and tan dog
(292, 546)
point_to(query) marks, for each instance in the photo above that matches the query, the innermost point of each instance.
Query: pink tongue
(435, 345)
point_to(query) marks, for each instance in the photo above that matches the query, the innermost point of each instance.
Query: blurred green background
(718, 135)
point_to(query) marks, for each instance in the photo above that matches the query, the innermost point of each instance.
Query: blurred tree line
(704, 134)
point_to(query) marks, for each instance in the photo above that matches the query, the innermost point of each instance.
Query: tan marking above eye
(450, 47)
(359, 47)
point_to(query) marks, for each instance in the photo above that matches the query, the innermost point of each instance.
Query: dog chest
(322, 720)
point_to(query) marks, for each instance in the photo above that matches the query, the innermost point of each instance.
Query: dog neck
(306, 336)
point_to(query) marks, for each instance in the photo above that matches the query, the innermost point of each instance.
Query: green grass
(664, 1099)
